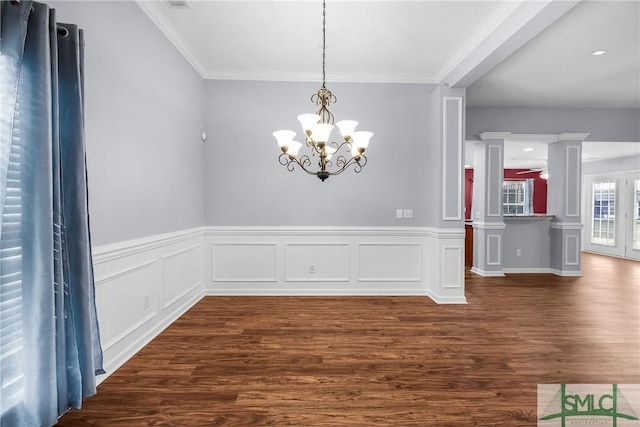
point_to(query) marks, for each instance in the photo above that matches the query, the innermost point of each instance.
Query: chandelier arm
(363, 161)
(289, 162)
(338, 146)
(315, 149)
(357, 165)
(304, 162)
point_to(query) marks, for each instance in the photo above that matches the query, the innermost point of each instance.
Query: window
(604, 213)
(517, 197)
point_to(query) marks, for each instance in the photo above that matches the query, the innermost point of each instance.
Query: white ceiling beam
(524, 22)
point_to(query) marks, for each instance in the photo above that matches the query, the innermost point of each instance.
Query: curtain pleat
(60, 351)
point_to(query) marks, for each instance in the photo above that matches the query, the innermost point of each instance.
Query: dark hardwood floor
(401, 361)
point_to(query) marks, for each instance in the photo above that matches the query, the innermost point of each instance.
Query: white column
(488, 223)
(564, 202)
(446, 214)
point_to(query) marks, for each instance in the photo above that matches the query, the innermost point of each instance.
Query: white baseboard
(487, 273)
(527, 270)
(566, 273)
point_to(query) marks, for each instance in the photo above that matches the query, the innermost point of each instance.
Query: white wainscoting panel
(142, 286)
(389, 262)
(182, 273)
(452, 258)
(126, 290)
(243, 262)
(335, 261)
(317, 262)
(494, 250)
(572, 249)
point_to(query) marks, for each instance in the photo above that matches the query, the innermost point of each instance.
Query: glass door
(632, 233)
(612, 217)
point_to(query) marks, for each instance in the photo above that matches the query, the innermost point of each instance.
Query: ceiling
(556, 68)
(373, 41)
(506, 52)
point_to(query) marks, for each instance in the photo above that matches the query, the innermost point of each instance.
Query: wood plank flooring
(389, 361)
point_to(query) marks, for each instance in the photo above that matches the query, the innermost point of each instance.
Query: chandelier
(333, 158)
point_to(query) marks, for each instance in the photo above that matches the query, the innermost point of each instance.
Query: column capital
(494, 135)
(547, 138)
(572, 136)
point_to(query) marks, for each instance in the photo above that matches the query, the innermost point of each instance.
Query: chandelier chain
(324, 41)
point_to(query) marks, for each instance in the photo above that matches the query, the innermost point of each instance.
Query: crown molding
(316, 77)
(150, 8)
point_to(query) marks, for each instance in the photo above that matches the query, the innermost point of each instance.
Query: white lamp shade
(321, 132)
(284, 137)
(308, 121)
(347, 127)
(294, 147)
(329, 149)
(361, 139)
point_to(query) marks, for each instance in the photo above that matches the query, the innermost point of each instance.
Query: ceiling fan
(544, 172)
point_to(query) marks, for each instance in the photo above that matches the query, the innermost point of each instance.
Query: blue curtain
(50, 346)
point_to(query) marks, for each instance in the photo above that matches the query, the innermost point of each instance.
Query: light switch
(399, 214)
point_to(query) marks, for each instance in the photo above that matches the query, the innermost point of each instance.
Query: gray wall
(604, 124)
(246, 186)
(532, 237)
(144, 116)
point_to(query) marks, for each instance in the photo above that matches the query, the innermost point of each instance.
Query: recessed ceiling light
(598, 52)
(528, 149)
(178, 4)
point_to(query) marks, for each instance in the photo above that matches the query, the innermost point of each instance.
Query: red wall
(539, 189)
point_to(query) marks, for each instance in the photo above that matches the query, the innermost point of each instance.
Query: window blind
(11, 333)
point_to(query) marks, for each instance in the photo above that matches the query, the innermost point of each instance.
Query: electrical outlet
(518, 252)
(312, 269)
(408, 213)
